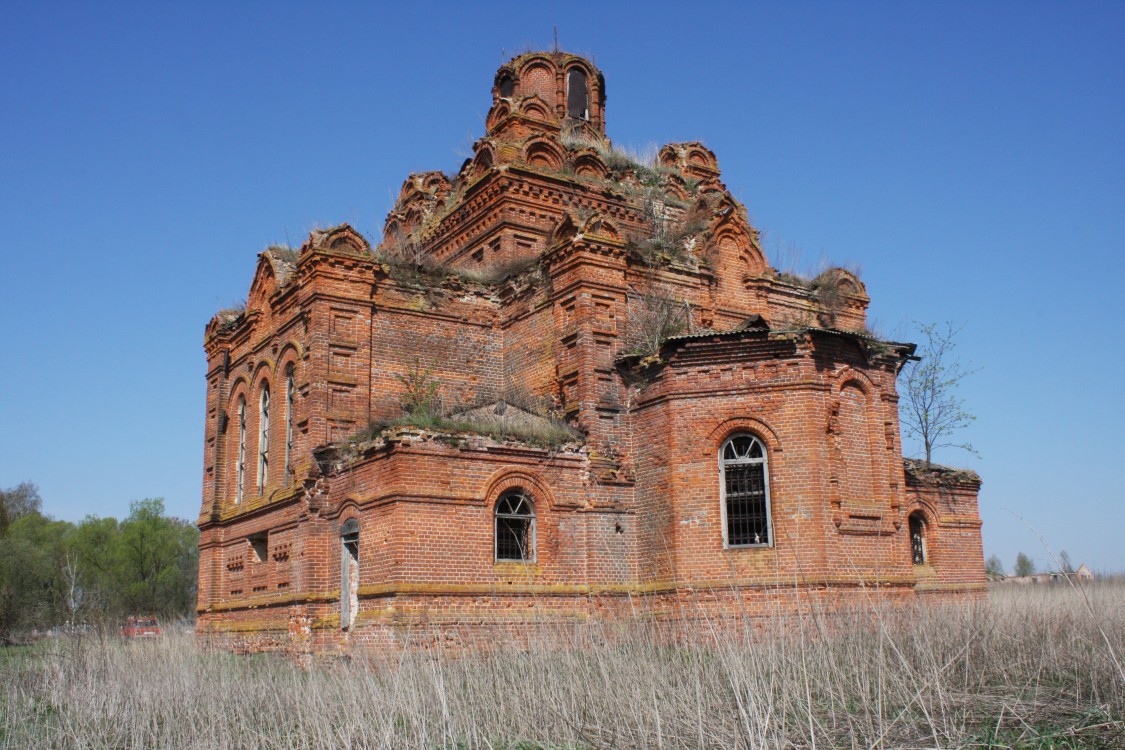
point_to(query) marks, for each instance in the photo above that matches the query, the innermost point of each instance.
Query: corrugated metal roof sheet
(757, 329)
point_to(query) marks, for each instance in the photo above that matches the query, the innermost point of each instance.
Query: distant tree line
(1025, 566)
(56, 572)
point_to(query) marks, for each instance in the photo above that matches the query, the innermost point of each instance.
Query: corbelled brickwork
(566, 383)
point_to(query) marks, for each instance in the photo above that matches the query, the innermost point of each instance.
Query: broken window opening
(349, 573)
(259, 545)
(263, 439)
(290, 389)
(240, 467)
(506, 86)
(577, 96)
(515, 528)
(746, 495)
(917, 524)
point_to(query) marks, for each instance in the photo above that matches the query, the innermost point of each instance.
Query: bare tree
(72, 584)
(19, 501)
(930, 410)
(1066, 567)
(655, 314)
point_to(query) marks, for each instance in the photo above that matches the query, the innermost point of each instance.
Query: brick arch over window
(290, 352)
(263, 370)
(733, 425)
(509, 479)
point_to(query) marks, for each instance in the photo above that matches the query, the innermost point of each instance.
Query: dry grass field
(1033, 667)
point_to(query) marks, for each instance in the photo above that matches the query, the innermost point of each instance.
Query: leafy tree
(994, 567)
(930, 410)
(54, 571)
(95, 549)
(32, 591)
(1024, 565)
(158, 560)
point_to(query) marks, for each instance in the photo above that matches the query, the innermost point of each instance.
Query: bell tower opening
(577, 95)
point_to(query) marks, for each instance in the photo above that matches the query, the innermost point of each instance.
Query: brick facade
(560, 324)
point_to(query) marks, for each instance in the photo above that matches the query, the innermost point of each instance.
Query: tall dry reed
(1033, 667)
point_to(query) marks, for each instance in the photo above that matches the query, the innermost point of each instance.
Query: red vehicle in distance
(140, 627)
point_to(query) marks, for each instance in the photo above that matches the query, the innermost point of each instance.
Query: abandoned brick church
(566, 384)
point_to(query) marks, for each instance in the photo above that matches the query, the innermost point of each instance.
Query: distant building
(566, 385)
(1083, 574)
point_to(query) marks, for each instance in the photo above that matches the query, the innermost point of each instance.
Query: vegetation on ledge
(550, 434)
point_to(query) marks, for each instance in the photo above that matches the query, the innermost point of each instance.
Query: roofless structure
(564, 383)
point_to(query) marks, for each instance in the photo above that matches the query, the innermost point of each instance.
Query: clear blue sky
(970, 157)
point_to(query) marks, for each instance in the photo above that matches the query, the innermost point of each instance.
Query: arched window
(515, 527)
(917, 524)
(349, 572)
(290, 392)
(577, 96)
(746, 492)
(240, 467)
(506, 86)
(263, 439)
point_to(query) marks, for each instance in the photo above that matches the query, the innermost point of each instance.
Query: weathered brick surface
(528, 282)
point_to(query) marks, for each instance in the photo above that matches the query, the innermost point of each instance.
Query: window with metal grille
(263, 438)
(746, 492)
(515, 527)
(917, 538)
(240, 467)
(290, 390)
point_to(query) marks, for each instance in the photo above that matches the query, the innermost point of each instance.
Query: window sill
(515, 568)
